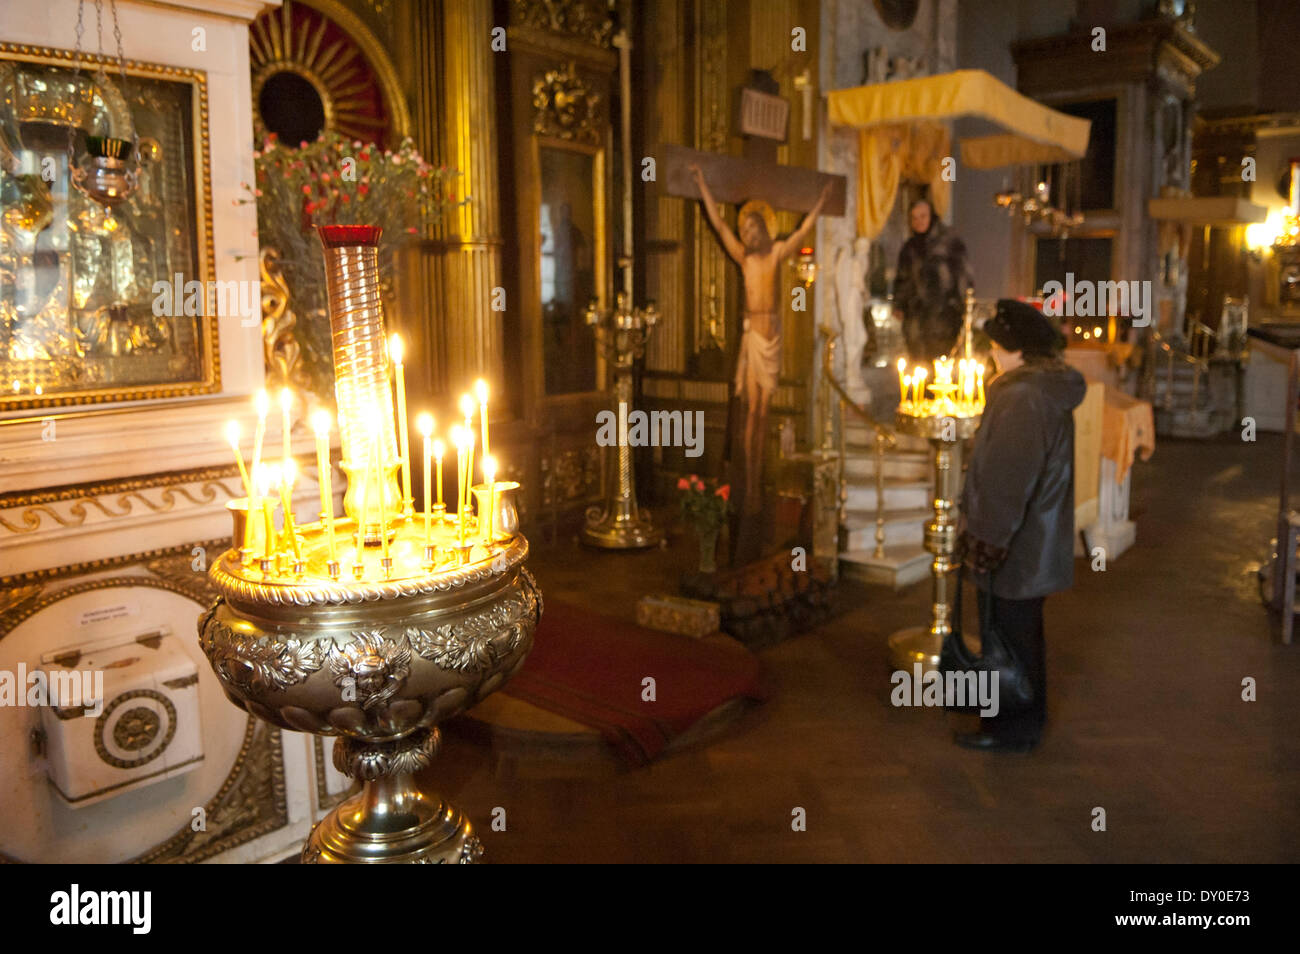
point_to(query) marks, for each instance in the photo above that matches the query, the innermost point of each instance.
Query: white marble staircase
(908, 496)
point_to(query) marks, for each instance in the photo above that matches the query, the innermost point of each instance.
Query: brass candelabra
(619, 524)
(377, 625)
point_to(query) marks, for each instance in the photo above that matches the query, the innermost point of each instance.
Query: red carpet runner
(589, 668)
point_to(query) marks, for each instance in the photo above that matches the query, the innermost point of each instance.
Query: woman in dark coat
(930, 285)
(1018, 502)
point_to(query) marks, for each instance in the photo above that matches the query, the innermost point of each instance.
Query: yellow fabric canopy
(898, 138)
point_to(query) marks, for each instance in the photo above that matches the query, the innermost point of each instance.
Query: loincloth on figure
(759, 362)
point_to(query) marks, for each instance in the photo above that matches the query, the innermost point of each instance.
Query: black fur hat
(1021, 327)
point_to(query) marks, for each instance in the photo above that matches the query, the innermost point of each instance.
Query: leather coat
(1019, 492)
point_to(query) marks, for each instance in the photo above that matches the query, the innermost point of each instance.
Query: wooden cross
(756, 174)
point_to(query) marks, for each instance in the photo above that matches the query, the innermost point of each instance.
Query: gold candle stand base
(922, 644)
(392, 820)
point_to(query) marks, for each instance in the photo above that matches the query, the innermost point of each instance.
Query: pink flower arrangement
(704, 502)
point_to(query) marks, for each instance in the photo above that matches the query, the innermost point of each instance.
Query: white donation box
(121, 714)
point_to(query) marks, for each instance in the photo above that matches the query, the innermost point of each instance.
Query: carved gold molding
(68, 506)
(565, 107)
(584, 19)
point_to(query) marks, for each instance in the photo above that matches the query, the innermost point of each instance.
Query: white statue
(850, 277)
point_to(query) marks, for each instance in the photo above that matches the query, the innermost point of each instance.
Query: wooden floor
(1145, 660)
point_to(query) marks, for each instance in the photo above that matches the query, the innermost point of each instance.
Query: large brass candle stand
(619, 524)
(375, 626)
(946, 420)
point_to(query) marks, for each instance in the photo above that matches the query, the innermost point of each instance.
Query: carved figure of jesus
(758, 253)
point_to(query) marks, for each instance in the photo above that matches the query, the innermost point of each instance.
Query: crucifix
(760, 183)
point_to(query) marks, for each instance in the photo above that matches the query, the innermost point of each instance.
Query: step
(901, 566)
(900, 494)
(914, 465)
(862, 435)
(901, 527)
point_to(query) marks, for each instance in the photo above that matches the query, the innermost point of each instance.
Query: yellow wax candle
(481, 392)
(458, 438)
(469, 467)
(377, 460)
(424, 423)
(286, 405)
(438, 449)
(902, 380)
(979, 384)
(467, 408)
(320, 422)
(907, 385)
(364, 477)
(268, 479)
(396, 351)
(287, 475)
(262, 402)
(232, 435)
(919, 391)
(490, 478)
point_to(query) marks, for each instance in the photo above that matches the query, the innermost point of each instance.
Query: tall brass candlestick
(395, 351)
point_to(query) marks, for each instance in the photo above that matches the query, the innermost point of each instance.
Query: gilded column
(470, 238)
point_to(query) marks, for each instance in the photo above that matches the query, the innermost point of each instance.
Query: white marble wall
(112, 443)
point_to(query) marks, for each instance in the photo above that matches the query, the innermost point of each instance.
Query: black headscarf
(1021, 327)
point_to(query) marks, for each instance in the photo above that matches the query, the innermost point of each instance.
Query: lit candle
(286, 405)
(262, 402)
(902, 380)
(918, 392)
(287, 475)
(424, 423)
(467, 408)
(907, 384)
(481, 391)
(232, 435)
(458, 438)
(490, 477)
(320, 422)
(438, 449)
(378, 461)
(363, 475)
(395, 350)
(469, 468)
(265, 482)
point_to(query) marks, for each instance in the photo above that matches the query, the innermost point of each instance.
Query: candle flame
(289, 472)
(481, 391)
(424, 424)
(902, 365)
(466, 405)
(489, 469)
(267, 476)
(395, 349)
(262, 401)
(286, 399)
(232, 433)
(438, 449)
(320, 422)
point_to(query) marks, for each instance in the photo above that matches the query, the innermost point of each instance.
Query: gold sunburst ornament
(310, 74)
